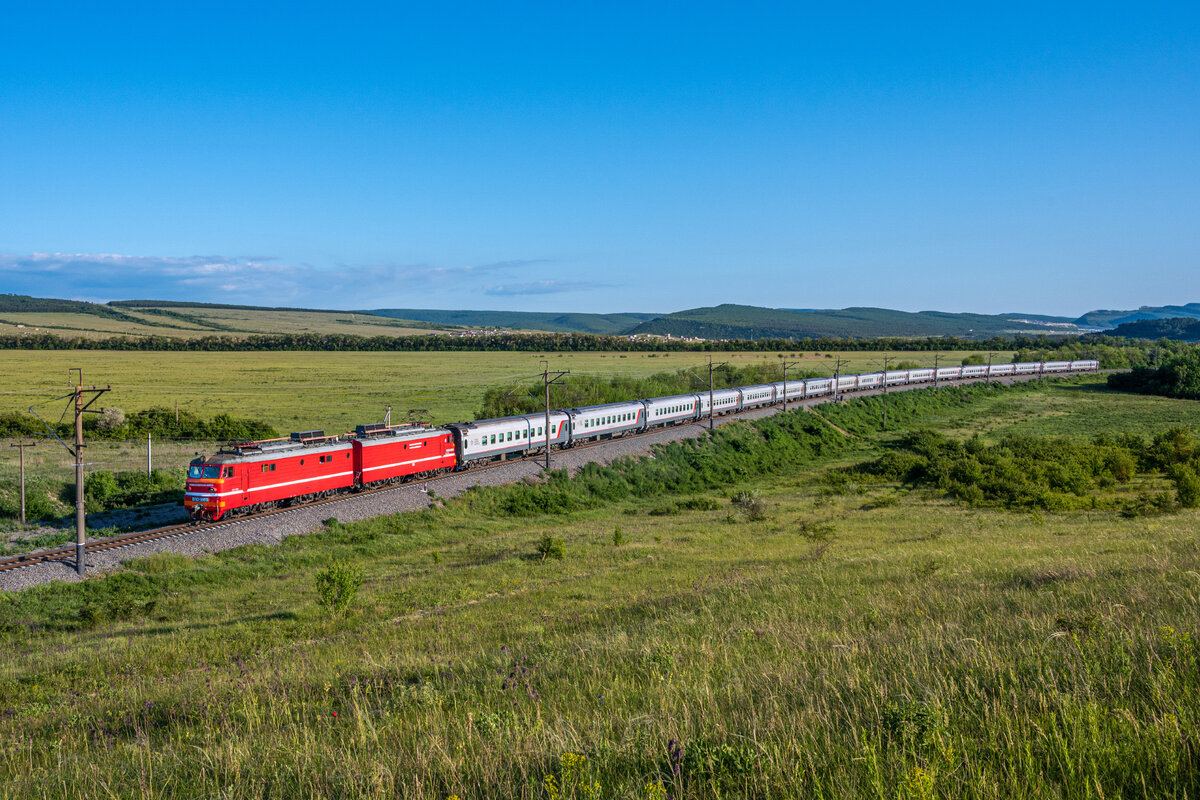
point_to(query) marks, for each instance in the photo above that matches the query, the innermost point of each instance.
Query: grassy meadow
(295, 391)
(827, 639)
(189, 322)
(335, 391)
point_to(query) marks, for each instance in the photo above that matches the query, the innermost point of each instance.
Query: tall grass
(866, 643)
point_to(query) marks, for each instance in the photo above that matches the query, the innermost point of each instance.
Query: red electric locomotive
(383, 454)
(253, 476)
(245, 477)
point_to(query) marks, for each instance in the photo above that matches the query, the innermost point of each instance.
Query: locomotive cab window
(204, 472)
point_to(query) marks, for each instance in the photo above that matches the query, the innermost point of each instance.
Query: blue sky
(604, 156)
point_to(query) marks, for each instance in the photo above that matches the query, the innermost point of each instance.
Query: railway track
(67, 552)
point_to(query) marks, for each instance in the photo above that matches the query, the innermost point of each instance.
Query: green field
(336, 391)
(187, 322)
(298, 391)
(854, 641)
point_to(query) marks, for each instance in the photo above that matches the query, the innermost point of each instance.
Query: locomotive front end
(204, 494)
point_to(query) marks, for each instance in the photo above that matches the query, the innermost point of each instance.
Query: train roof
(536, 415)
(601, 407)
(248, 453)
(379, 433)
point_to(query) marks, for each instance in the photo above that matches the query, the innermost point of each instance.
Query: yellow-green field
(335, 391)
(212, 322)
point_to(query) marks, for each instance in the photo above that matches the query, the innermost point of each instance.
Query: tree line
(1034, 345)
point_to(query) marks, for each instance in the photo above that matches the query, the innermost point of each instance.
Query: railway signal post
(546, 381)
(21, 446)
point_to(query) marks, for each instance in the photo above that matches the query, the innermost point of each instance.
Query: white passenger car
(601, 422)
(672, 410)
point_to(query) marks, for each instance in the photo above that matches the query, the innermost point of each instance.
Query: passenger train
(247, 477)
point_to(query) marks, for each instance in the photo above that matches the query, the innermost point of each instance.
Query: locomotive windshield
(198, 471)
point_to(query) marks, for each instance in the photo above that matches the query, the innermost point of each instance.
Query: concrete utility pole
(149, 460)
(21, 446)
(936, 358)
(786, 365)
(546, 381)
(989, 372)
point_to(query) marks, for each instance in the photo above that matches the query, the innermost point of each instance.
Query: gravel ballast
(352, 508)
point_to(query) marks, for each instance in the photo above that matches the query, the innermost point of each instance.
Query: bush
(336, 586)
(1031, 472)
(618, 538)
(550, 547)
(750, 504)
(110, 419)
(104, 490)
(1187, 487)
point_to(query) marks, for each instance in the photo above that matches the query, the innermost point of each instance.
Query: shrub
(110, 419)
(550, 547)
(814, 531)
(618, 538)
(1187, 487)
(750, 504)
(105, 490)
(336, 586)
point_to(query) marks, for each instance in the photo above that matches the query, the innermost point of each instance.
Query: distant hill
(1184, 329)
(1111, 319)
(522, 320)
(24, 315)
(24, 304)
(752, 322)
(222, 306)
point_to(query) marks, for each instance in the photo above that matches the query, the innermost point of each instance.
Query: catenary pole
(546, 381)
(886, 364)
(837, 375)
(80, 512)
(786, 365)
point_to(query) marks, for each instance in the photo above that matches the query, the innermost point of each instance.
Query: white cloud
(244, 280)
